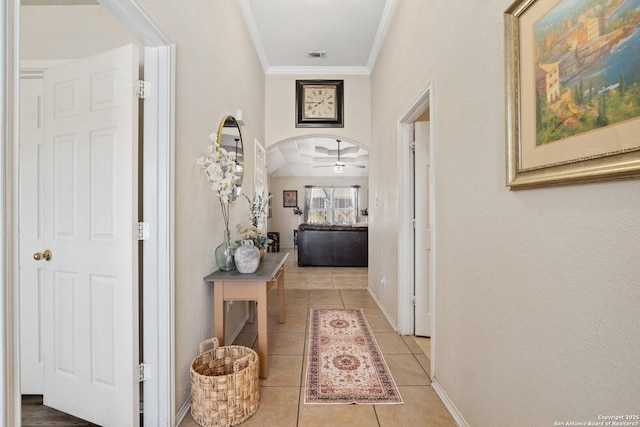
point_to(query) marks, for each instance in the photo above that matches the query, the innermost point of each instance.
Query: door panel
(90, 204)
(30, 226)
(422, 231)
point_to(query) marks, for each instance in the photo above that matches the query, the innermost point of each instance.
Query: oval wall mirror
(230, 138)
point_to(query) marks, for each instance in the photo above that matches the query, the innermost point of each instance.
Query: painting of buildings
(587, 56)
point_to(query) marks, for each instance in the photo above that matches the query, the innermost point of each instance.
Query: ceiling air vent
(317, 54)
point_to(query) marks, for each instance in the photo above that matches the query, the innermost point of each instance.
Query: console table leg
(218, 312)
(263, 350)
(281, 296)
(252, 312)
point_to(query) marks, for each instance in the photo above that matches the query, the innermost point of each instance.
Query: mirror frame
(230, 121)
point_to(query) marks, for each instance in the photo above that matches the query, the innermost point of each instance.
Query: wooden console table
(233, 286)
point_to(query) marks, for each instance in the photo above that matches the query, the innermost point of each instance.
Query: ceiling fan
(339, 165)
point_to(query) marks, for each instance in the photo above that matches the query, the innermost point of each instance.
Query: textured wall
(537, 296)
(280, 109)
(218, 72)
(69, 32)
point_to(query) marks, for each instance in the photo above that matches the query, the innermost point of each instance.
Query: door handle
(46, 255)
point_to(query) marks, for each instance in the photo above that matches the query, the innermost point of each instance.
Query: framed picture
(290, 198)
(572, 91)
(319, 103)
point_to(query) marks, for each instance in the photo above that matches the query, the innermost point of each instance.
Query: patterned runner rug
(345, 364)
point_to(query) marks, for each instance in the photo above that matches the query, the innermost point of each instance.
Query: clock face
(319, 102)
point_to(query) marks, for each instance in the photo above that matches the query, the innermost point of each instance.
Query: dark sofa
(332, 245)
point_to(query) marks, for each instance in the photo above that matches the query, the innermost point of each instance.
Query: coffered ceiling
(317, 157)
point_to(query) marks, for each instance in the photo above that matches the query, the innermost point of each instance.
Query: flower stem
(225, 214)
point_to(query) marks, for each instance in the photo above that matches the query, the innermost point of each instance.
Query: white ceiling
(349, 32)
(285, 31)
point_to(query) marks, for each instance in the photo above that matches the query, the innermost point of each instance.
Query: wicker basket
(224, 385)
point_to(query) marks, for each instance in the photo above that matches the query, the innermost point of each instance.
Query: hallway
(282, 394)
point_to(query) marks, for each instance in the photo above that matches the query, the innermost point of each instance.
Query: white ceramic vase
(247, 257)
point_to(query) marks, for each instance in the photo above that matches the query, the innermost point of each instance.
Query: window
(331, 205)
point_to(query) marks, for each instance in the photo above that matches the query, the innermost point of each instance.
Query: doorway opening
(416, 208)
(157, 179)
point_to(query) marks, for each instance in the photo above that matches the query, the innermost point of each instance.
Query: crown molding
(255, 34)
(385, 21)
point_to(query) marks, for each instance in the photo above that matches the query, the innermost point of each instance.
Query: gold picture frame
(602, 153)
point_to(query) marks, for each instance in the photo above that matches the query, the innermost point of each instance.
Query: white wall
(218, 72)
(284, 221)
(69, 32)
(537, 295)
(280, 109)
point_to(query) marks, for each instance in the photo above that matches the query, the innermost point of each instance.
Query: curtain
(308, 189)
(331, 205)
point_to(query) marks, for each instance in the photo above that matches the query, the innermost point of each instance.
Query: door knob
(46, 255)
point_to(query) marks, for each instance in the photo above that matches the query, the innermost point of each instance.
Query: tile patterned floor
(282, 394)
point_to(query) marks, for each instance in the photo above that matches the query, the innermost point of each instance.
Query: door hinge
(142, 231)
(143, 89)
(144, 372)
(413, 300)
(413, 223)
(412, 147)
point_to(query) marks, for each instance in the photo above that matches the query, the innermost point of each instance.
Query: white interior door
(422, 231)
(31, 138)
(89, 208)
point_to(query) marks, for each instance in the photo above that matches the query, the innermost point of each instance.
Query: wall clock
(319, 103)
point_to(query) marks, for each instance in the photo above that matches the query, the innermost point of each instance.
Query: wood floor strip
(35, 414)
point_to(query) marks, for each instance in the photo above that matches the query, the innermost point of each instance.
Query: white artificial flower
(218, 166)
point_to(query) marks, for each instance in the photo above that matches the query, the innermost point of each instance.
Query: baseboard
(455, 414)
(393, 323)
(184, 410)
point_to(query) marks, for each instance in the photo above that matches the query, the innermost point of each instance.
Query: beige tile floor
(282, 394)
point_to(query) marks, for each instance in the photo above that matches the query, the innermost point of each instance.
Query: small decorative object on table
(257, 236)
(224, 385)
(247, 257)
(218, 166)
(254, 233)
(225, 253)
